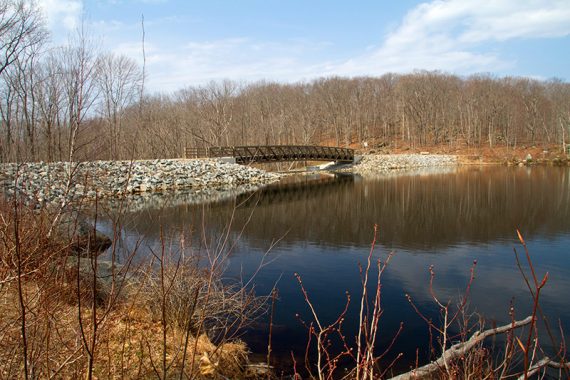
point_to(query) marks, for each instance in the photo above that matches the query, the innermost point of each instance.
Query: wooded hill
(414, 110)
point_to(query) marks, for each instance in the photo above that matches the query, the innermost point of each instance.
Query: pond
(322, 227)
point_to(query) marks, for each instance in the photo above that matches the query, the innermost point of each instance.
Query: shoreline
(379, 163)
(61, 182)
(382, 163)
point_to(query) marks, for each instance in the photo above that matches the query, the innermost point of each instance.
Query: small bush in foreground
(68, 312)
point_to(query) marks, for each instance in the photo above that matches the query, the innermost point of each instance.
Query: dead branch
(458, 350)
(544, 362)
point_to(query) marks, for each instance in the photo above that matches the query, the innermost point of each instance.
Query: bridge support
(227, 160)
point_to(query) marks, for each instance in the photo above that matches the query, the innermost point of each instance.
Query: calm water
(446, 219)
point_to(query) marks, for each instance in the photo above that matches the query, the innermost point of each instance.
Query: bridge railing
(275, 153)
(196, 152)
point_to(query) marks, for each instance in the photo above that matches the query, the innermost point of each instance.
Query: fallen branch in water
(458, 350)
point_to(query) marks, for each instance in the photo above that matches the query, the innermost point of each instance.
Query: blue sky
(190, 43)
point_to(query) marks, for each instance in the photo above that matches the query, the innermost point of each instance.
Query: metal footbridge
(274, 153)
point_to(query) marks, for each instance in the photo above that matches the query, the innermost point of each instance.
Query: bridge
(275, 153)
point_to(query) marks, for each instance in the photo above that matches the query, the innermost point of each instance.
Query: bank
(57, 182)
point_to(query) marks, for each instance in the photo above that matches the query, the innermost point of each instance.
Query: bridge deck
(275, 153)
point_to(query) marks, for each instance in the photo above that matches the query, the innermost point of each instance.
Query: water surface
(324, 227)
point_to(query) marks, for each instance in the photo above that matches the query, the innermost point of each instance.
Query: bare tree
(216, 101)
(21, 27)
(79, 68)
(50, 97)
(559, 93)
(119, 79)
(22, 32)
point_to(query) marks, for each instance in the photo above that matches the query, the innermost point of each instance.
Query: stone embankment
(379, 163)
(57, 182)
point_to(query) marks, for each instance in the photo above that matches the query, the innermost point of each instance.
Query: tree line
(75, 103)
(59, 103)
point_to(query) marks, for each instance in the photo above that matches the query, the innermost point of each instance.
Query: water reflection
(444, 219)
(474, 205)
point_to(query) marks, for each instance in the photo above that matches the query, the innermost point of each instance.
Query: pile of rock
(375, 163)
(55, 182)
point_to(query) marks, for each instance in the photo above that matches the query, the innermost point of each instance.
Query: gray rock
(378, 163)
(117, 178)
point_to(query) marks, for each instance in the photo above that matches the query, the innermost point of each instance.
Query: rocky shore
(381, 163)
(42, 183)
(195, 181)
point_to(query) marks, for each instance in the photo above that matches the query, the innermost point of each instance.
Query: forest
(73, 103)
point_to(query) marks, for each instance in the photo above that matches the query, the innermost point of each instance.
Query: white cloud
(106, 27)
(518, 20)
(447, 35)
(62, 13)
(478, 21)
(240, 59)
(451, 35)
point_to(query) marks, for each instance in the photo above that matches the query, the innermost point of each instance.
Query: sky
(191, 43)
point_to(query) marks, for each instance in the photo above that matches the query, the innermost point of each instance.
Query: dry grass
(59, 318)
(132, 345)
(129, 345)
